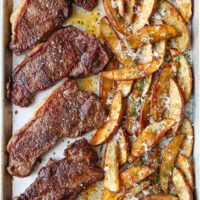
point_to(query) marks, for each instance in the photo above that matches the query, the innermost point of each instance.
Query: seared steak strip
(67, 112)
(86, 4)
(69, 53)
(69, 176)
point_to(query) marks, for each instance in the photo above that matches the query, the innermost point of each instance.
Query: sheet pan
(13, 117)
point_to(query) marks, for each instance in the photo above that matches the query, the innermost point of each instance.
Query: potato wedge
(173, 18)
(123, 147)
(151, 34)
(114, 17)
(150, 135)
(111, 166)
(134, 104)
(110, 128)
(107, 86)
(144, 119)
(108, 195)
(185, 8)
(176, 106)
(160, 93)
(168, 161)
(146, 10)
(120, 4)
(185, 166)
(134, 174)
(184, 75)
(115, 43)
(182, 188)
(187, 145)
(125, 87)
(146, 54)
(161, 197)
(129, 11)
(133, 72)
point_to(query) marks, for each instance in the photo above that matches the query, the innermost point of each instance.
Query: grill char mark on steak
(60, 179)
(67, 112)
(69, 53)
(34, 20)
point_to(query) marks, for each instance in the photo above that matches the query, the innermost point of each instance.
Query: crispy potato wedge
(134, 104)
(146, 10)
(146, 54)
(160, 93)
(134, 174)
(120, 4)
(176, 106)
(125, 87)
(187, 145)
(114, 17)
(182, 188)
(108, 195)
(151, 34)
(115, 43)
(186, 167)
(184, 75)
(144, 119)
(133, 72)
(111, 167)
(129, 11)
(110, 128)
(161, 197)
(150, 135)
(185, 8)
(123, 147)
(173, 18)
(107, 86)
(168, 161)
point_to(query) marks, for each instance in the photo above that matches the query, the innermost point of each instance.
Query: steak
(67, 112)
(69, 53)
(34, 20)
(60, 179)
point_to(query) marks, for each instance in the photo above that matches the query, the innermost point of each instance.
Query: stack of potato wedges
(149, 139)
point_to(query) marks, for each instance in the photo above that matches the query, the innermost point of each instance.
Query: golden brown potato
(151, 34)
(110, 128)
(133, 72)
(146, 54)
(125, 87)
(176, 106)
(182, 188)
(185, 8)
(111, 167)
(168, 161)
(173, 18)
(187, 145)
(107, 86)
(120, 4)
(123, 147)
(134, 174)
(184, 75)
(160, 93)
(108, 195)
(161, 197)
(146, 10)
(150, 135)
(129, 11)
(186, 167)
(134, 104)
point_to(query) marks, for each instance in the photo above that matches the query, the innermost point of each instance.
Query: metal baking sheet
(13, 117)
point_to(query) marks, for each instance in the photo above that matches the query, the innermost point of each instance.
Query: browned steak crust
(69, 53)
(67, 112)
(86, 4)
(69, 176)
(35, 20)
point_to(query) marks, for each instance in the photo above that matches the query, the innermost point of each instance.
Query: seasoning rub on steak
(67, 112)
(69, 53)
(62, 179)
(34, 21)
